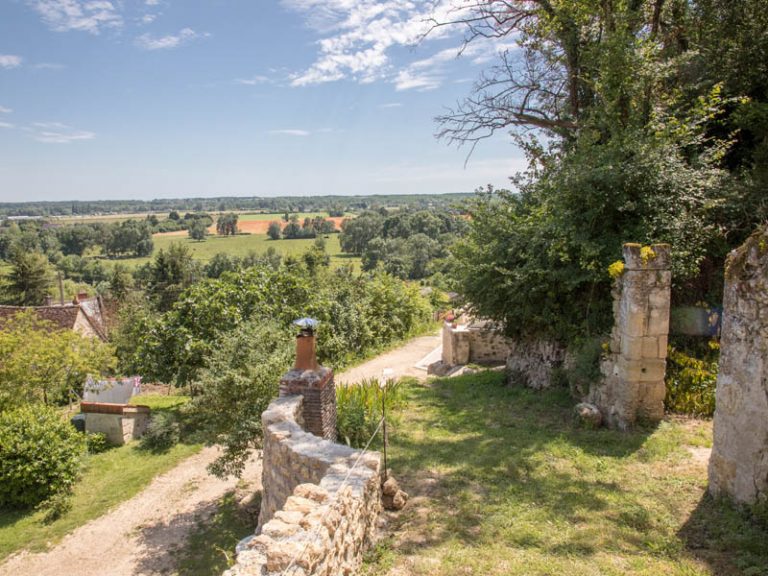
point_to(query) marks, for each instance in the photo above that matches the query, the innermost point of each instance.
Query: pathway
(141, 535)
(402, 361)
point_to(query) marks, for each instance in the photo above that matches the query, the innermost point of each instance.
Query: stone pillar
(633, 386)
(738, 467)
(456, 345)
(315, 384)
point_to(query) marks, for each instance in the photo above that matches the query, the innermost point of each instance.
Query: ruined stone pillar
(738, 467)
(315, 384)
(633, 386)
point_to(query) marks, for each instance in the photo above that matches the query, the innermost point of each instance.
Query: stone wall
(318, 510)
(120, 423)
(531, 363)
(478, 341)
(633, 374)
(738, 467)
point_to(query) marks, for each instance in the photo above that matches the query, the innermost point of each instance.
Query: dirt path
(141, 535)
(402, 361)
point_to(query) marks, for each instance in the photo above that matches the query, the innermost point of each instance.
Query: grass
(242, 244)
(210, 548)
(502, 482)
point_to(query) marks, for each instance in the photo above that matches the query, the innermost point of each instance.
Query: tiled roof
(63, 317)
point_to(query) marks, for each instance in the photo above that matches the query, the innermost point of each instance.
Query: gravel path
(402, 361)
(141, 535)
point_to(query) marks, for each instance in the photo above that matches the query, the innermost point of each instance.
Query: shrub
(691, 381)
(358, 409)
(162, 433)
(97, 442)
(39, 455)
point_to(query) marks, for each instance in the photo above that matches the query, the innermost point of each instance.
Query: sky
(142, 99)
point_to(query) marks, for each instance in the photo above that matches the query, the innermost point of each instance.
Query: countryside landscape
(384, 288)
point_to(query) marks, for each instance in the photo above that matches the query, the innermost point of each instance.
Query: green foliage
(40, 363)
(162, 434)
(584, 370)
(226, 224)
(239, 382)
(171, 272)
(198, 230)
(39, 455)
(29, 279)
(274, 231)
(691, 379)
(131, 237)
(96, 442)
(359, 409)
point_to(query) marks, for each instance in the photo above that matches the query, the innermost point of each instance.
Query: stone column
(315, 384)
(633, 386)
(738, 467)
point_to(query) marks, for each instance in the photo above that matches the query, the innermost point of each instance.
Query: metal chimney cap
(306, 324)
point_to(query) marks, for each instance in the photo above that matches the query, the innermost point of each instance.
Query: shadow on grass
(490, 466)
(727, 538)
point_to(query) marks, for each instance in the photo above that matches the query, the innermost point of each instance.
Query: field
(503, 482)
(242, 244)
(259, 223)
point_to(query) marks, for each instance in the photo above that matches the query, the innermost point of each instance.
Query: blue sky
(170, 98)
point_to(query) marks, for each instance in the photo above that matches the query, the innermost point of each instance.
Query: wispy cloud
(10, 61)
(4, 110)
(6, 125)
(253, 80)
(91, 16)
(184, 36)
(391, 105)
(58, 133)
(290, 132)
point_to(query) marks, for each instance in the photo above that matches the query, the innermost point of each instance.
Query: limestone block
(632, 348)
(658, 322)
(645, 370)
(650, 347)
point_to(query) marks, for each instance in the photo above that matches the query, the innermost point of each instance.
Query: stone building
(84, 315)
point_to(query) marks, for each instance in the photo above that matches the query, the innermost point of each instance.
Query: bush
(39, 456)
(162, 433)
(691, 381)
(358, 409)
(97, 442)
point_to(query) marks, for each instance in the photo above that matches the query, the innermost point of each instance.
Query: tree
(274, 230)
(198, 230)
(171, 272)
(357, 232)
(120, 282)
(29, 280)
(40, 363)
(226, 224)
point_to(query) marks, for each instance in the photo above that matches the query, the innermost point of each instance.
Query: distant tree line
(310, 228)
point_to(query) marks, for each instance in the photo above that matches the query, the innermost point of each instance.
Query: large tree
(30, 278)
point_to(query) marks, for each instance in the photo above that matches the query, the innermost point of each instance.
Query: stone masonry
(738, 467)
(633, 374)
(319, 508)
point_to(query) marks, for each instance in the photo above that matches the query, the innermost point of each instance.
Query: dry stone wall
(633, 374)
(738, 467)
(320, 504)
(531, 363)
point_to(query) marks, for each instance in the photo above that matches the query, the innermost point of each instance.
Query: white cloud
(391, 105)
(4, 110)
(290, 132)
(148, 18)
(360, 35)
(184, 36)
(82, 15)
(252, 81)
(152, 2)
(10, 61)
(6, 125)
(58, 133)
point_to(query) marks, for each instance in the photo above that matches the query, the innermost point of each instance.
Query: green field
(243, 217)
(243, 244)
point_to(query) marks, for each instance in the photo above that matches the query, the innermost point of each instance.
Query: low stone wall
(120, 423)
(318, 510)
(478, 341)
(530, 363)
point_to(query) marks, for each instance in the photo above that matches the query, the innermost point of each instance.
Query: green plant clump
(40, 456)
(162, 433)
(358, 409)
(97, 442)
(691, 381)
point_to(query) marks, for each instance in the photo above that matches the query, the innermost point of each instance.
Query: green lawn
(241, 245)
(108, 480)
(503, 483)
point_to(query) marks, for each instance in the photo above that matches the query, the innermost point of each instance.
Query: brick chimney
(314, 383)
